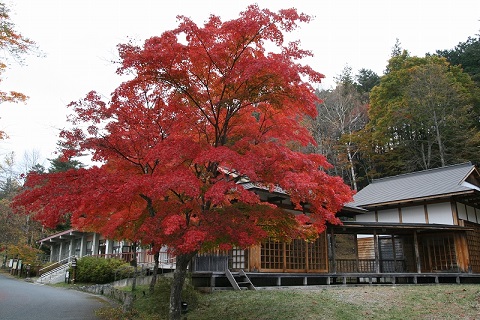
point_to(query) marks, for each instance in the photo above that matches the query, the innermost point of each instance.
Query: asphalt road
(29, 301)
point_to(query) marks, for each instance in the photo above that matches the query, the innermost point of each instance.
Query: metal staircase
(239, 280)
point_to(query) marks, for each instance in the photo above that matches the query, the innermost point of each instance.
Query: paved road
(28, 301)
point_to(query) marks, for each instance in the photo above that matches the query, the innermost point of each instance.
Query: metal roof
(439, 182)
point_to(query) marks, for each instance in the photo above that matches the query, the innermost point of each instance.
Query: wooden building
(417, 227)
(412, 227)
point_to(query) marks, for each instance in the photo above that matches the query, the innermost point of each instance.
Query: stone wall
(110, 290)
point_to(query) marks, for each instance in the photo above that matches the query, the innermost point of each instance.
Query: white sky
(79, 38)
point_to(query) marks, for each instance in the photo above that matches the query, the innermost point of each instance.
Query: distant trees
(366, 80)
(13, 45)
(419, 112)
(61, 165)
(467, 55)
(342, 112)
(18, 233)
(424, 112)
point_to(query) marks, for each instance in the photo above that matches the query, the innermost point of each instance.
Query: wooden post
(394, 254)
(357, 262)
(377, 252)
(212, 281)
(334, 261)
(417, 252)
(307, 265)
(462, 253)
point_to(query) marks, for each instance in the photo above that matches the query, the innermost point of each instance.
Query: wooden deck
(210, 281)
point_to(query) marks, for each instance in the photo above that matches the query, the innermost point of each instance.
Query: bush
(124, 271)
(98, 270)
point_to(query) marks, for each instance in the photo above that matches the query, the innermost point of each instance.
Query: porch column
(60, 250)
(377, 253)
(83, 246)
(394, 251)
(357, 261)
(417, 251)
(108, 247)
(120, 247)
(71, 248)
(52, 252)
(95, 244)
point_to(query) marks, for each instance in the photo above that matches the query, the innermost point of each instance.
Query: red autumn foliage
(204, 108)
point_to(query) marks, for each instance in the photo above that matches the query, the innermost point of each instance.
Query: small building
(71, 243)
(426, 221)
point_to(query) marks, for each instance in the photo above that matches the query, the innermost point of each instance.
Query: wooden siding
(366, 248)
(437, 253)
(473, 240)
(391, 257)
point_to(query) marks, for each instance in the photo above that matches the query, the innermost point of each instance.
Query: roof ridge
(469, 163)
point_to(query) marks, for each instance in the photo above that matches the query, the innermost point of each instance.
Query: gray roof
(442, 181)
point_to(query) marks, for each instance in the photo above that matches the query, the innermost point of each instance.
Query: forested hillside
(422, 113)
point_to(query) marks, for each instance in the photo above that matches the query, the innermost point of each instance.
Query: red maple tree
(205, 109)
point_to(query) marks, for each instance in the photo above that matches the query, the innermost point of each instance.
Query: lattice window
(438, 253)
(317, 254)
(272, 255)
(295, 255)
(238, 259)
(473, 240)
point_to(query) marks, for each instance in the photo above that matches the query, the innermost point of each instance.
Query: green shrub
(98, 270)
(124, 271)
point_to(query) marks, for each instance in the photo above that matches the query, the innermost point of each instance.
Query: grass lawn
(366, 302)
(307, 303)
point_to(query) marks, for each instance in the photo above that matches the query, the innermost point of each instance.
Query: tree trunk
(352, 168)
(134, 263)
(156, 258)
(177, 286)
(439, 139)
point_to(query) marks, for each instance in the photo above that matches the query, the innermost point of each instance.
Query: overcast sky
(78, 39)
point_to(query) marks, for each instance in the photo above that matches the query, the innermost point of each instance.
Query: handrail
(53, 273)
(55, 265)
